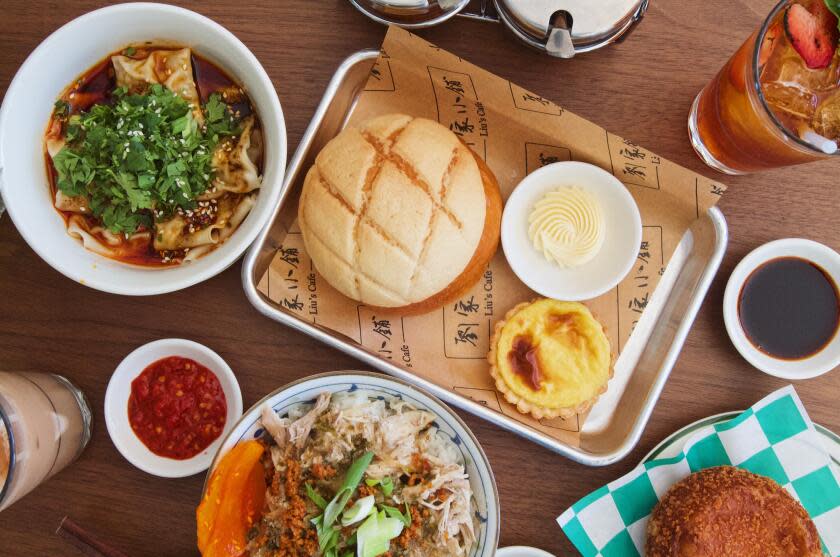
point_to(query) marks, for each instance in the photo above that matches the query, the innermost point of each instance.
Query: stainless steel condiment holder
(560, 28)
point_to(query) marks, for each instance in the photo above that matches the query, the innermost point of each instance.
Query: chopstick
(84, 541)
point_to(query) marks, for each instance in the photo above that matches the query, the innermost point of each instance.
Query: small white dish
(522, 551)
(63, 57)
(119, 390)
(823, 361)
(622, 234)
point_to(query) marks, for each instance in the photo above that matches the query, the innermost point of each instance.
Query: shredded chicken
(275, 426)
(284, 431)
(422, 461)
(299, 430)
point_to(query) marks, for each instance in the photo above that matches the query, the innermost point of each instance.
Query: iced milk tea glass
(45, 424)
(746, 120)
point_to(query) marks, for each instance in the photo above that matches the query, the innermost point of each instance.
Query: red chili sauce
(177, 407)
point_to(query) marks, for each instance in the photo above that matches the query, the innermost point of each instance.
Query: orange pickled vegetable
(233, 501)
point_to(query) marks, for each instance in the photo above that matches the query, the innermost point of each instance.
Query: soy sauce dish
(144, 159)
(782, 308)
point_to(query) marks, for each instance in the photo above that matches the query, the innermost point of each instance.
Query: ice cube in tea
(790, 103)
(826, 120)
(786, 66)
(792, 89)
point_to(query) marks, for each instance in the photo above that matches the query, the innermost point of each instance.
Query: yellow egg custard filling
(550, 358)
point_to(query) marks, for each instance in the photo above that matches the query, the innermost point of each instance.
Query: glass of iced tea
(777, 101)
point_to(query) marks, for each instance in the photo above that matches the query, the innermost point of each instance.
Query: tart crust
(532, 407)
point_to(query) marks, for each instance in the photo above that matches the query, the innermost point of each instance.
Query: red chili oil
(177, 407)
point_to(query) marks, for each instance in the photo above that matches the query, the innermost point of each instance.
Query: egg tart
(550, 358)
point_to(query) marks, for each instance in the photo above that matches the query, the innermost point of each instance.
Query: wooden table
(641, 89)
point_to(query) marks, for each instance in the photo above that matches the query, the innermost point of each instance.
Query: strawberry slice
(813, 35)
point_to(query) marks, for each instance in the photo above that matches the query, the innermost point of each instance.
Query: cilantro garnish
(62, 108)
(141, 152)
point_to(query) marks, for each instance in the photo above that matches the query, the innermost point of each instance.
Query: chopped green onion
(348, 487)
(394, 512)
(386, 484)
(315, 497)
(359, 511)
(375, 534)
(329, 540)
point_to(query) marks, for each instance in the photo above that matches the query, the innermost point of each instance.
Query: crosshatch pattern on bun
(400, 214)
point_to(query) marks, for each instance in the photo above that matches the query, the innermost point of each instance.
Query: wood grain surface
(640, 89)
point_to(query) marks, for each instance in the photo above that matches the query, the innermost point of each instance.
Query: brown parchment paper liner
(515, 132)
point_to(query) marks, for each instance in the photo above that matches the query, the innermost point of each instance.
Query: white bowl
(27, 106)
(823, 361)
(306, 390)
(119, 390)
(622, 235)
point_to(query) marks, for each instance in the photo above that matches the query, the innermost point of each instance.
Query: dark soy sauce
(789, 308)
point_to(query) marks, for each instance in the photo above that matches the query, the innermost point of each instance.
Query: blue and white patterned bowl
(448, 423)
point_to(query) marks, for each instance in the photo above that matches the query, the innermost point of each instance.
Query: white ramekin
(119, 391)
(823, 361)
(622, 234)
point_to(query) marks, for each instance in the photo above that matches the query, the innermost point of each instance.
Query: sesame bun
(729, 512)
(400, 214)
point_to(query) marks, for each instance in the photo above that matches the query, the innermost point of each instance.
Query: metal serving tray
(616, 422)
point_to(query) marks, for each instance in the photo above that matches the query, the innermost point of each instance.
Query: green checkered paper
(774, 438)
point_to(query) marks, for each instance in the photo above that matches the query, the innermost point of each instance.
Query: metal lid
(410, 14)
(564, 27)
